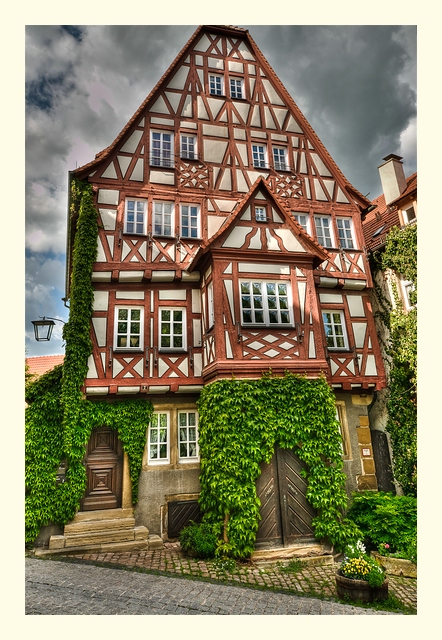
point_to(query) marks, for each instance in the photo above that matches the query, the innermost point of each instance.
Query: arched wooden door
(286, 516)
(104, 469)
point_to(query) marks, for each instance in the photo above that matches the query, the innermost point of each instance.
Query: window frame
(210, 306)
(321, 218)
(405, 218)
(343, 242)
(158, 461)
(296, 214)
(334, 335)
(188, 155)
(136, 201)
(262, 164)
(163, 224)
(264, 210)
(236, 80)
(189, 226)
(265, 307)
(116, 333)
(275, 162)
(217, 78)
(170, 349)
(165, 157)
(187, 459)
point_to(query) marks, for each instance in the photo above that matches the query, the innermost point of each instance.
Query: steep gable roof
(234, 33)
(296, 240)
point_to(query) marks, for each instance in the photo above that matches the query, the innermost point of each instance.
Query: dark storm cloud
(355, 84)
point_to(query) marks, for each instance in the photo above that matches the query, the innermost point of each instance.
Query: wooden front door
(286, 516)
(104, 469)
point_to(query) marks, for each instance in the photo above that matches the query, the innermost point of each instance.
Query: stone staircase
(110, 530)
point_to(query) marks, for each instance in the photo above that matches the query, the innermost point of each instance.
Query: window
(188, 146)
(279, 159)
(210, 305)
(161, 149)
(158, 438)
(344, 232)
(260, 214)
(302, 219)
(323, 230)
(162, 223)
(259, 156)
(408, 293)
(172, 324)
(188, 435)
(128, 332)
(341, 417)
(409, 215)
(190, 215)
(216, 85)
(236, 88)
(135, 217)
(265, 303)
(334, 326)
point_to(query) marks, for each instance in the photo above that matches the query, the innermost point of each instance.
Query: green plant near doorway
(241, 422)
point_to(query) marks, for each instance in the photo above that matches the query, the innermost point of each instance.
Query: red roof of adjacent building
(41, 364)
(378, 222)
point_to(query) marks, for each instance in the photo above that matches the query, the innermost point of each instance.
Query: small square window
(216, 85)
(260, 214)
(236, 88)
(409, 215)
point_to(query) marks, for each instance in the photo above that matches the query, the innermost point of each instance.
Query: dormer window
(409, 215)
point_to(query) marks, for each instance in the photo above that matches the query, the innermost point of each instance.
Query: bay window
(266, 303)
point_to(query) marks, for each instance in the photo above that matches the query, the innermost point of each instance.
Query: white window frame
(344, 226)
(119, 321)
(305, 225)
(216, 85)
(260, 213)
(172, 334)
(139, 211)
(266, 312)
(238, 83)
(193, 215)
(406, 288)
(325, 239)
(333, 335)
(210, 305)
(259, 155)
(155, 428)
(161, 150)
(186, 459)
(278, 164)
(405, 216)
(188, 147)
(161, 223)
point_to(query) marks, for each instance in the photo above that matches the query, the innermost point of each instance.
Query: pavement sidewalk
(302, 578)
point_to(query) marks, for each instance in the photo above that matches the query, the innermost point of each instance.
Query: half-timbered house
(230, 243)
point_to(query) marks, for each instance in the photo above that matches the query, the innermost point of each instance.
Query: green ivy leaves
(241, 421)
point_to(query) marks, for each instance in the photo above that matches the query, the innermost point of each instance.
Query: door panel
(104, 470)
(286, 514)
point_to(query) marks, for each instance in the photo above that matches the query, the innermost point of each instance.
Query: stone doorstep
(94, 526)
(112, 547)
(297, 551)
(102, 514)
(105, 536)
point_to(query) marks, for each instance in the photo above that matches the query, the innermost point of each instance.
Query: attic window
(376, 233)
(260, 214)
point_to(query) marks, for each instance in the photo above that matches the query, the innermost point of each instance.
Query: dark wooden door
(104, 469)
(286, 516)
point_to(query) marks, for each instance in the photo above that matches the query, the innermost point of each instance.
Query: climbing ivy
(240, 423)
(59, 420)
(400, 255)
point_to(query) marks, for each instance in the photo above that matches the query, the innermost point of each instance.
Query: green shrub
(384, 519)
(199, 540)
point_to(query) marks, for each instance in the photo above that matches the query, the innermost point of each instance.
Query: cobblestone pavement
(65, 588)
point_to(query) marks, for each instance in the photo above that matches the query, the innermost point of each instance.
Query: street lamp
(43, 328)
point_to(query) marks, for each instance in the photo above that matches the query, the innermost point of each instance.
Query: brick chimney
(392, 177)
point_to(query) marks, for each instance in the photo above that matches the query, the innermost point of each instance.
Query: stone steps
(110, 530)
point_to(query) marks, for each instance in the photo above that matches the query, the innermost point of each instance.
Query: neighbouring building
(230, 243)
(395, 208)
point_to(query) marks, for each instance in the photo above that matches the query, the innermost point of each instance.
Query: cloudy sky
(355, 84)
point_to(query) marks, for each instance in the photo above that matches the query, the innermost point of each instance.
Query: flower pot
(359, 590)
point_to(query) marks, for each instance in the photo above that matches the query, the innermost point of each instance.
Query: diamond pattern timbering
(284, 345)
(193, 175)
(287, 186)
